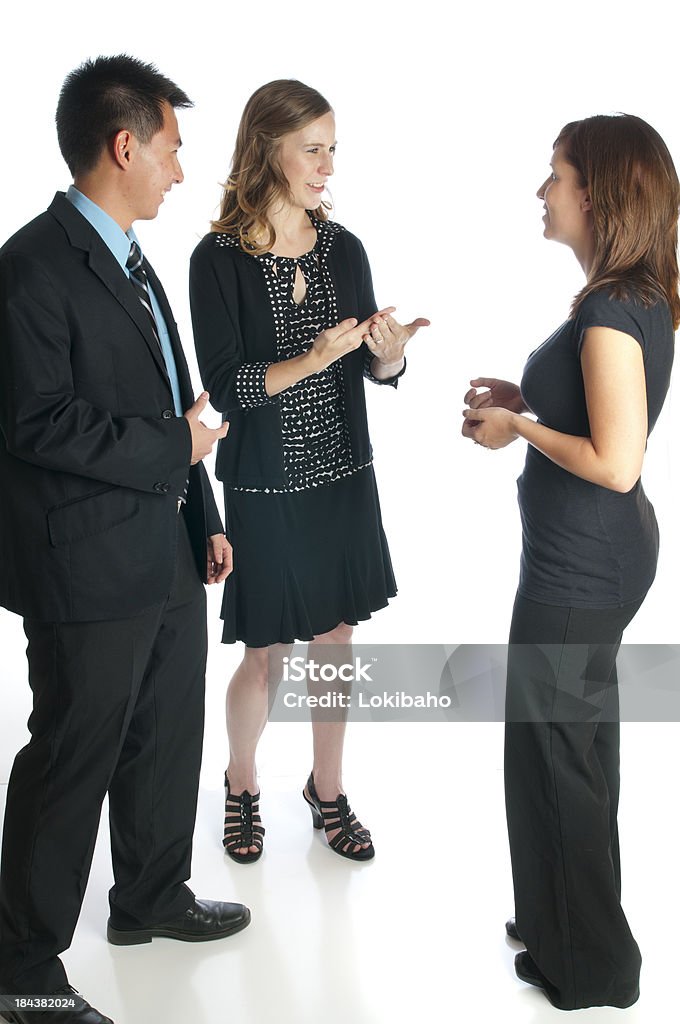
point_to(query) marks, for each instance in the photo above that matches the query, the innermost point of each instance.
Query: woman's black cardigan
(233, 325)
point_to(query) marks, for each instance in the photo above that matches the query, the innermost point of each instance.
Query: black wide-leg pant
(562, 793)
(117, 706)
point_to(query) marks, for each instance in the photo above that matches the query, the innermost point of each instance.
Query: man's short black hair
(105, 96)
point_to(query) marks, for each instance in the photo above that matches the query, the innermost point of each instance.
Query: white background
(445, 121)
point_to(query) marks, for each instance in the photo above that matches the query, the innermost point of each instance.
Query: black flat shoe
(203, 921)
(337, 814)
(70, 1008)
(526, 970)
(242, 825)
(511, 930)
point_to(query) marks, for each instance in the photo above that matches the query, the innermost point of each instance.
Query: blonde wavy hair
(255, 180)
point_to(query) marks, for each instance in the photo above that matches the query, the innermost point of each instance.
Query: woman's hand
(501, 394)
(490, 427)
(387, 339)
(336, 342)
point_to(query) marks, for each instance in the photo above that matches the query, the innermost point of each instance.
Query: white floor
(416, 933)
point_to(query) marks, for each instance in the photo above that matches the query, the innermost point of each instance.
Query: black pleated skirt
(305, 561)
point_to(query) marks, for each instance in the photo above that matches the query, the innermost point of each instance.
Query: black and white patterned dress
(313, 554)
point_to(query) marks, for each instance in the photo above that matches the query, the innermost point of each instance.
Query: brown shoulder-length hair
(626, 167)
(256, 180)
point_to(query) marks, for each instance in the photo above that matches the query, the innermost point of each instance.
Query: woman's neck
(295, 233)
(585, 254)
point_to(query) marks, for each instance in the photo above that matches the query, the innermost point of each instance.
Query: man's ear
(122, 146)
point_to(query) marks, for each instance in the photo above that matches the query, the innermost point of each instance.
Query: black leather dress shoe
(82, 1012)
(511, 930)
(203, 921)
(526, 970)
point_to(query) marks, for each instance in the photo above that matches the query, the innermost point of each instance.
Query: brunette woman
(286, 328)
(589, 552)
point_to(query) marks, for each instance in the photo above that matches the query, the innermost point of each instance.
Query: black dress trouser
(562, 793)
(117, 706)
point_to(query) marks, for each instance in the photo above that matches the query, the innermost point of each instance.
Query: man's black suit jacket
(92, 455)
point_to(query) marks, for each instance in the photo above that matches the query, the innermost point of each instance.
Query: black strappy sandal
(242, 825)
(337, 814)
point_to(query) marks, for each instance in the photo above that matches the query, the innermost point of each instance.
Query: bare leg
(333, 648)
(249, 696)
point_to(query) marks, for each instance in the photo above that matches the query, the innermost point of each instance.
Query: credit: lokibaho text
(335, 699)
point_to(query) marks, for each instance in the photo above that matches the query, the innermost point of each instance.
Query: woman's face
(568, 210)
(306, 160)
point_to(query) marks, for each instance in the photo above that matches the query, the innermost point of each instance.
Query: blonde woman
(287, 328)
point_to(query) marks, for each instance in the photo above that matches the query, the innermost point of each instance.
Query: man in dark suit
(107, 528)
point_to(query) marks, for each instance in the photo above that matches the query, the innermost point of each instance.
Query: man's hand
(220, 558)
(202, 438)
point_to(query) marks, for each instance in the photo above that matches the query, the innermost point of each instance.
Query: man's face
(155, 168)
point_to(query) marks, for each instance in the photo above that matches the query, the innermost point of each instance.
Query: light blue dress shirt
(119, 243)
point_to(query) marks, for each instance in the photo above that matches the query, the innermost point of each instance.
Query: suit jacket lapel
(107, 270)
(102, 262)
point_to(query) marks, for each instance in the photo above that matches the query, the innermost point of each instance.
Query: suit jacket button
(161, 488)
(168, 414)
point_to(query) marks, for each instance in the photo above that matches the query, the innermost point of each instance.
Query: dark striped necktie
(135, 266)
